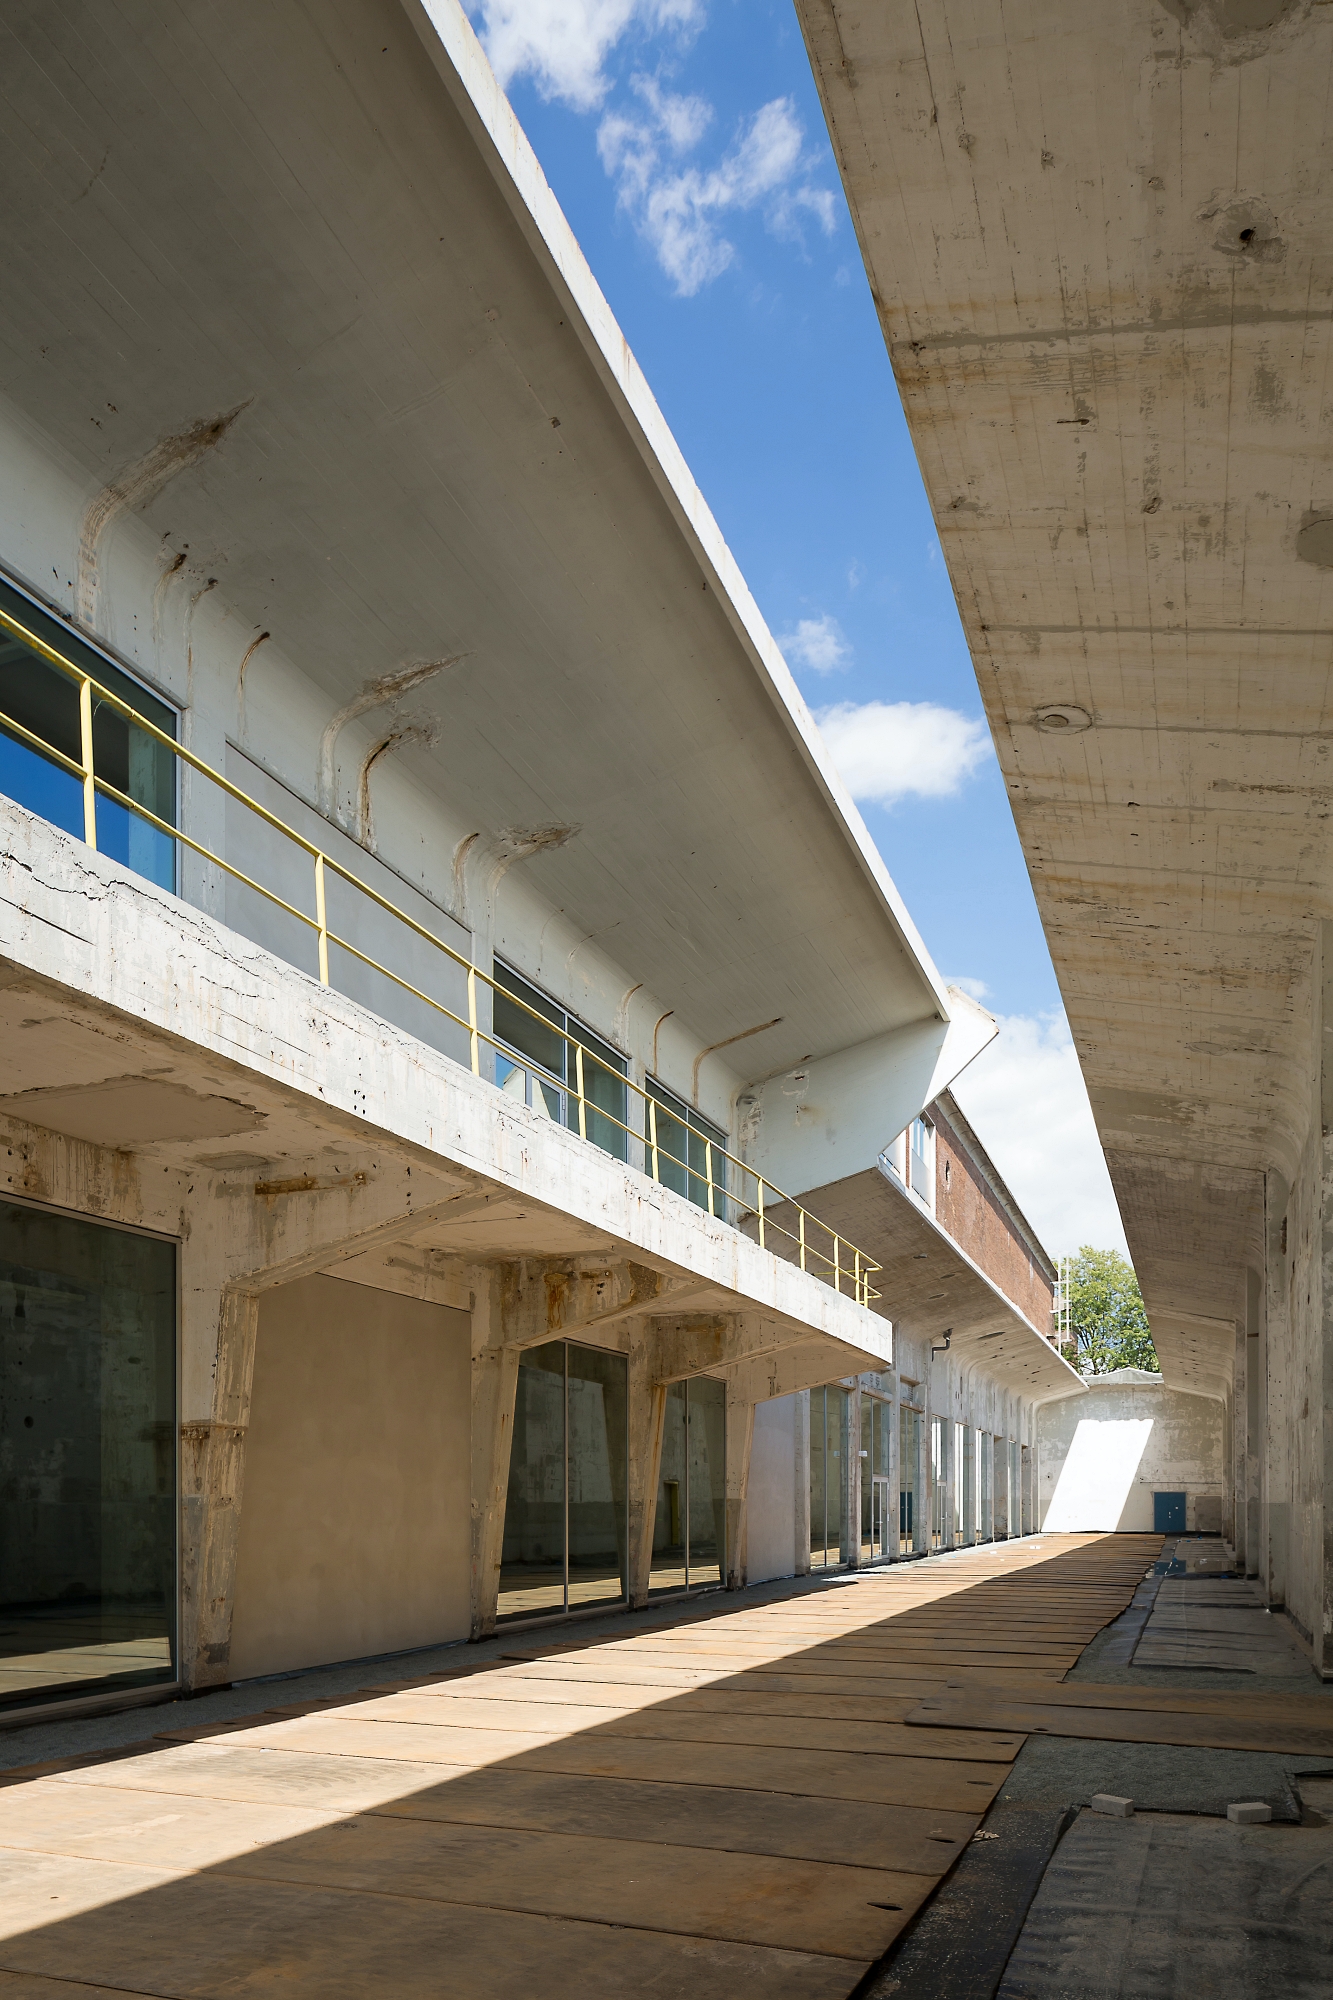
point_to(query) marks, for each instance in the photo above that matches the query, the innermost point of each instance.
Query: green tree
(1107, 1313)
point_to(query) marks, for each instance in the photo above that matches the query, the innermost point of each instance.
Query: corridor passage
(727, 1804)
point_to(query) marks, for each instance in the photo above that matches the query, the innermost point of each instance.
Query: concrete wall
(776, 1456)
(354, 1528)
(1104, 1455)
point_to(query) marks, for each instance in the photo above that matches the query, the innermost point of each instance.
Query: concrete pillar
(801, 1475)
(740, 1440)
(222, 1321)
(494, 1384)
(1318, 1481)
(1239, 1444)
(1253, 1417)
(1282, 1415)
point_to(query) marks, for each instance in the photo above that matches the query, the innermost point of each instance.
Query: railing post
(474, 1040)
(856, 1280)
(578, 1075)
(708, 1169)
(86, 754)
(652, 1132)
(837, 1263)
(321, 918)
(760, 1184)
(801, 1213)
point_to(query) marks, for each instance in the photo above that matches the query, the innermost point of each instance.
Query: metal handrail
(839, 1264)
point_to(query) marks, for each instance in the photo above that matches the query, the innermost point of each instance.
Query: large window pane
(597, 1485)
(555, 1063)
(87, 1457)
(681, 1157)
(566, 1526)
(708, 1481)
(46, 701)
(818, 1483)
(909, 1431)
(690, 1525)
(668, 1567)
(532, 1563)
(835, 1448)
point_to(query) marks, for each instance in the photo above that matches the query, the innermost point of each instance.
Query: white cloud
(677, 208)
(1026, 1098)
(891, 750)
(817, 643)
(563, 44)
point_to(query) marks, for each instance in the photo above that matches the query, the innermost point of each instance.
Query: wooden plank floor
(731, 1805)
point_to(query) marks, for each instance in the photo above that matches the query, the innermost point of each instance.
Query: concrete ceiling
(929, 1286)
(1101, 245)
(442, 446)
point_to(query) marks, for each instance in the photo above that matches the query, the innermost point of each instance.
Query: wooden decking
(729, 1805)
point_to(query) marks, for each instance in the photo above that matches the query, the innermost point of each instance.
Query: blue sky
(685, 142)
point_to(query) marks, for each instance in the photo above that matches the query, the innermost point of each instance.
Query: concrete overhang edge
(83, 925)
(460, 61)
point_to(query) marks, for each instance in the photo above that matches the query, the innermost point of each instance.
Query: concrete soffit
(457, 55)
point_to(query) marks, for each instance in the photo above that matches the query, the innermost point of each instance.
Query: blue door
(1168, 1513)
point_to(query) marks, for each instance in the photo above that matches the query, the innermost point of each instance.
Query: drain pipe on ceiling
(713, 1047)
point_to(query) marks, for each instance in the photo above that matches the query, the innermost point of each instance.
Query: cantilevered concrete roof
(325, 225)
(1099, 239)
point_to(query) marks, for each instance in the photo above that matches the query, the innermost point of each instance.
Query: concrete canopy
(323, 232)
(1099, 241)
(931, 1287)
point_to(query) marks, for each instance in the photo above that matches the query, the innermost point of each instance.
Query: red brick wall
(978, 1223)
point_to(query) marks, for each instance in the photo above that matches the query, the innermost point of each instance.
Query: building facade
(940, 1450)
(452, 1013)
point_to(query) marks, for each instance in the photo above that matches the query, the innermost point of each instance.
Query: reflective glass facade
(829, 1445)
(566, 1524)
(690, 1521)
(45, 701)
(88, 1491)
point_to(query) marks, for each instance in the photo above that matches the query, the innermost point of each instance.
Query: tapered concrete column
(1000, 1484)
(740, 1439)
(494, 1383)
(801, 1476)
(949, 1441)
(647, 1417)
(222, 1321)
(1239, 1446)
(1254, 1419)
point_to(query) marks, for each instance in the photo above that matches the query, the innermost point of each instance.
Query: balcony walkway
(728, 1803)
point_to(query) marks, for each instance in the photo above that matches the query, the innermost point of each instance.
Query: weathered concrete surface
(1105, 1453)
(1114, 380)
(1099, 244)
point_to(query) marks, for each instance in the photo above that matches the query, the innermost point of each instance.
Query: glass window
(548, 1080)
(46, 701)
(876, 1419)
(690, 1523)
(687, 1144)
(598, 1430)
(909, 1441)
(87, 1458)
(566, 1532)
(828, 1445)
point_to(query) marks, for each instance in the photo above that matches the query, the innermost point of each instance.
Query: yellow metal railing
(732, 1190)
